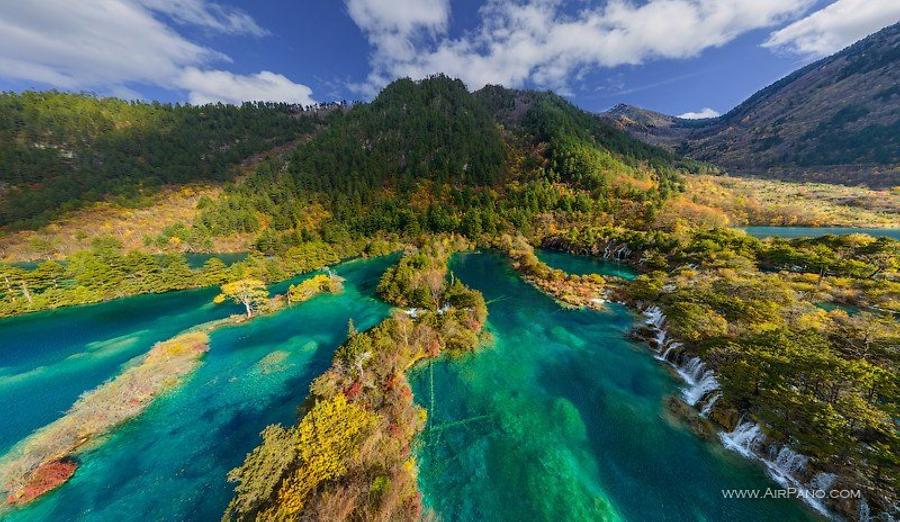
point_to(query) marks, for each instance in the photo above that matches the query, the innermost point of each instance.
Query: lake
(893, 233)
(171, 462)
(561, 418)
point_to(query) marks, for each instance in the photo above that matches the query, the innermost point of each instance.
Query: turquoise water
(48, 359)
(850, 309)
(193, 260)
(229, 258)
(893, 233)
(564, 419)
(171, 462)
(582, 265)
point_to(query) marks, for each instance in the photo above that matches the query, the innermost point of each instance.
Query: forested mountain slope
(430, 156)
(836, 120)
(59, 150)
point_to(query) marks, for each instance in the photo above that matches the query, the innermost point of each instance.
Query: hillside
(425, 156)
(429, 156)
(59, 151)
(835, 120)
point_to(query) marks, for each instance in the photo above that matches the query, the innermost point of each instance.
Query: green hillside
(59, 151)
(430, 156)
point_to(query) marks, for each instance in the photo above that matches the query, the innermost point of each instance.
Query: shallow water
(229, 258)
(48, 359)
(582, 265)
(171, 462)
(893, 233)
(563, 419)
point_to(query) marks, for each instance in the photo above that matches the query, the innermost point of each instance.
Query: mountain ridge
(835, 120)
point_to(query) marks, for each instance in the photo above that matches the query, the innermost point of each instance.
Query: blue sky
(674, 56)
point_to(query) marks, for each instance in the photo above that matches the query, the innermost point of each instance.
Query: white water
(655, 317)
(782, 463)
(701, 380)
(747, 438)
(709, 404)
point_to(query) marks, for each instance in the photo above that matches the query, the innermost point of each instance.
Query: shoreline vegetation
(48, 458)
(430, 159)
(811, 393)
(568, 290)
(350, 454)
(106, 272)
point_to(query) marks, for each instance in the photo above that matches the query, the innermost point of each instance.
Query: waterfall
(823, 481)
(789, 462)
(660, 339)
(672, 346)
(745, 439)
(865, 514)
(655, 317)
(709, 404)
(785, 465)
(782, 463)
(706, 384)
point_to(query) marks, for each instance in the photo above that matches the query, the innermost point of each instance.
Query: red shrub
(46, 477)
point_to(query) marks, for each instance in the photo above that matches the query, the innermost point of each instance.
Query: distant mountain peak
(835, 120)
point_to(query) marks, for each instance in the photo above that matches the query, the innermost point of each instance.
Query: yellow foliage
(329, 436)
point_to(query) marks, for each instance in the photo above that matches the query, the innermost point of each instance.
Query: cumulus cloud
(114, 45)
(223, 86)
(705, 112)
(836, 26)
(545, 43)
(393, 27)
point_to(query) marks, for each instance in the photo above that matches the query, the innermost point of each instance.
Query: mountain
(835, 120)
(429, 156)
(59, 151)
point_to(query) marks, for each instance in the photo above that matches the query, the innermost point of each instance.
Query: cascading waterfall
(789, 461)
(669, 349)
(655, 317)
(701, 380)
(746, 438)
(823, 481)
(785, 465)
(709, 404)
(660, 338)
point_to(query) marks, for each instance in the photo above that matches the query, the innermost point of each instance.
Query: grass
(78, 229)
(753, 201)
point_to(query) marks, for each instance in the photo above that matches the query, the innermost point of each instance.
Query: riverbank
(349, 456)
(569, 290)
(761, 360)
(698, 405)
(48, 458)
(106, 272)
(563, 418)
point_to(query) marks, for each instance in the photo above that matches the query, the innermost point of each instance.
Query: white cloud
(836, 26)
(392, 27)
(400, 16)
(223, 86)
(205, 14)
(545, 43)
(705, 112)
(114, 45)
